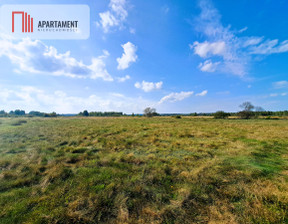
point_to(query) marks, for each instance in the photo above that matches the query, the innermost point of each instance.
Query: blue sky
(175, 56)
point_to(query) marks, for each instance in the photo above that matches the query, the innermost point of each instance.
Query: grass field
(139, 170)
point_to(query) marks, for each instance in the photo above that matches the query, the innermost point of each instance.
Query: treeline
(257, 113)
(250, 111)
(18, 113)
(85, 113)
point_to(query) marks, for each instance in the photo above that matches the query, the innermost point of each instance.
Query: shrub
(220, 115)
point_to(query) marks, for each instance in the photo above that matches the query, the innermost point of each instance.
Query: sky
(176, 56)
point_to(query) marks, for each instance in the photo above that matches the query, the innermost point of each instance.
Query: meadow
(143, 170)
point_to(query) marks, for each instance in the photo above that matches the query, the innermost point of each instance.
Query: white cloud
(243, 29)
(36, 57)
(123, 79)
(148, 86)
(203, 93)
(208, 66)
(174, 97)
(206, 49)
(270, 47)
(128, 56)
(265, 47)
(250, 41)
(115, 16)
(280, 84)
(107, 20)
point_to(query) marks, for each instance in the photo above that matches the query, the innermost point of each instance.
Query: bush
(220, 115)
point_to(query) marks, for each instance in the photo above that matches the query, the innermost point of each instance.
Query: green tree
(85, 113)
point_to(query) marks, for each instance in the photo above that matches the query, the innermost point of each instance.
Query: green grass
(139, 170)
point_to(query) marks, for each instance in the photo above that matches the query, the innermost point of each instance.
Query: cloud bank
(36, 57)
(33, 98)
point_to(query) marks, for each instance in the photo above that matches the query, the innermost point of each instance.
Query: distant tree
(247, 106)
(37, 113)
(3, 113)
(221, 115)
(17, 112)
(106, 114)
(247, 112)
(150, 112)
(53, 114)
(85, 113)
